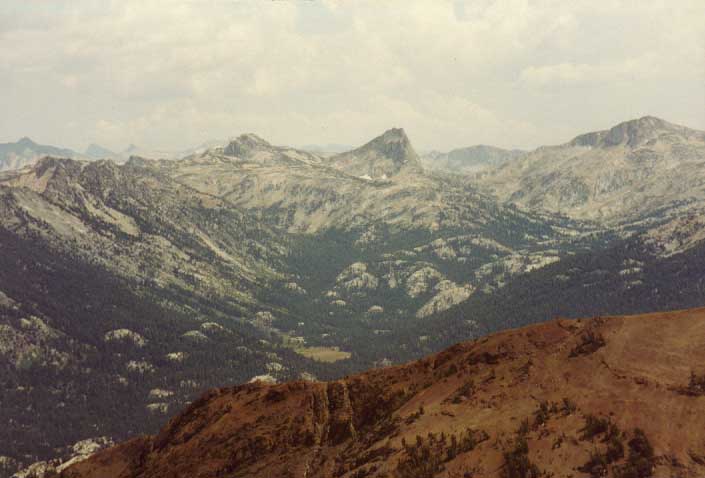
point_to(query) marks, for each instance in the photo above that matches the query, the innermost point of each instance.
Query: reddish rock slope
(614, 396)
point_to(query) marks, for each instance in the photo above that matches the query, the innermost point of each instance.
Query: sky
(168, 74)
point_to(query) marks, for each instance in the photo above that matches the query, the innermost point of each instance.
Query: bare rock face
(634, 168)
(245, 145)
(356, 277)
(509, 402)
(448, 295)
(421, 281)
(125, 336)
(383, 157)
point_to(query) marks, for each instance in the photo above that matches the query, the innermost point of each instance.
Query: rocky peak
(246, 144)
(394, 144)
(384, 156)
(631, 133)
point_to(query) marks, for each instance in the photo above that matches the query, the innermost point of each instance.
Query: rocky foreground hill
(607, 396)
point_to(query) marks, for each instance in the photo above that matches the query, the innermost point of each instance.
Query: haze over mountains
(25, 152)
(152, 280)
(471, 160)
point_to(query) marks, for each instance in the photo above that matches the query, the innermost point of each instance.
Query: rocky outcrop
(421, 281)
(383, 157)
(125, 336)
(355, 277)
(449, 294)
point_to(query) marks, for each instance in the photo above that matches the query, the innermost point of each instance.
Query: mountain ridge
(25, 152)
(610, 176)
(485, 407)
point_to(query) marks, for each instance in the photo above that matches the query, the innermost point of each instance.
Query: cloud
(516, 73)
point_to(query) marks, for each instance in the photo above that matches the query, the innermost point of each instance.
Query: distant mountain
(608, 396)
(25, 151)
(201, 148)
(327, 149)
(96, 151)
(470, 160)
(383, 157)
(634, 168)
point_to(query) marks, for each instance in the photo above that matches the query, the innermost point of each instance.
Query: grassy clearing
(323, 354)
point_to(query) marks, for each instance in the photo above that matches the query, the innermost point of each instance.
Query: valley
(153, 280)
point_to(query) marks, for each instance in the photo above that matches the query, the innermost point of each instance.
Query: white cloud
(170, 74)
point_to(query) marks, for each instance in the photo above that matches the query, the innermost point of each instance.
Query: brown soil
(627, 372)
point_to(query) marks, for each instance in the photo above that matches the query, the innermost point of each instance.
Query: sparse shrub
(427, 456)
(589, 343)
(696, 385)
(596, 465)
(594, 426)
(641, 457)
(541, 415)
(452, 370)
(415, 416)
(523, 428)
(517, 463)
(463, 392)
(568, 406)
(486, 358)
(615, 449)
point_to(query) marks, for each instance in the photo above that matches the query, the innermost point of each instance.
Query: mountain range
(129, 287)
(26, 152)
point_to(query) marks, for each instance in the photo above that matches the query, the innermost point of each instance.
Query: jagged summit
(383, 157)
(394, 134)
(632, 133)
(393, 143)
